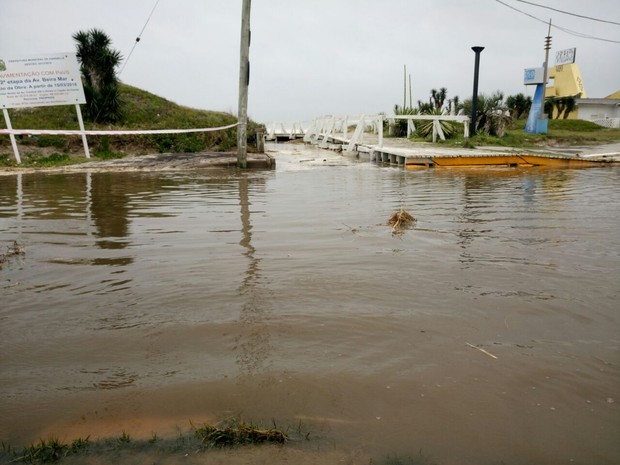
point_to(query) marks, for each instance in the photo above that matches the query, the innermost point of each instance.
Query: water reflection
(254, 341)
(110, 210)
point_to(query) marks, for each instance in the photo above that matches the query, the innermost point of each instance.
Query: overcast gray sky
(316, 57)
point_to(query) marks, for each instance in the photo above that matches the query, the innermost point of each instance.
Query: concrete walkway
(157, 162)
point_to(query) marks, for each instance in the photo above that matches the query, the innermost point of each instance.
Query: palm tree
(518, 105)
(564, 106)
(438, 98)
(98, 62)
(493, 115)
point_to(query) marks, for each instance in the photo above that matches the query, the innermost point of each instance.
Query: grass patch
(234, 433)
(562, 133)
(142, 110)
(51, 450)
(36, 160)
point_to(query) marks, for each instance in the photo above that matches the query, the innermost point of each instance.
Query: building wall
(589, 111)
(605, 112)
(567, 82)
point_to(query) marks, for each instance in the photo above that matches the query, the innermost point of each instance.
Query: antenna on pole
(244, 82)
(410, 97)
(405, 88)
(547, 47)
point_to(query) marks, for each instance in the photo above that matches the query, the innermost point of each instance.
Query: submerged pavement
(186, 161)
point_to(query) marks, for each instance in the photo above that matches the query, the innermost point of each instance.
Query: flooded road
(489, 333)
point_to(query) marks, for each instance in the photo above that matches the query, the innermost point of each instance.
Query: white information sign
(41, 80)
(533, 76)
(565, 57)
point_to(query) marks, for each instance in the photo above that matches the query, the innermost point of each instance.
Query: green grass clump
(234, 433)
(50, 450)
(238, 433)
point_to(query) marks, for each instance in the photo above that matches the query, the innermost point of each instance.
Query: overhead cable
(569, 13)
(139, 37)
(563, 29)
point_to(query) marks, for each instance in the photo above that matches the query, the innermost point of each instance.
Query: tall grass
(142, 110)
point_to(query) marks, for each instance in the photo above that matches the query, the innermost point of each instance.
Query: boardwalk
(285, 131)
(367, 141)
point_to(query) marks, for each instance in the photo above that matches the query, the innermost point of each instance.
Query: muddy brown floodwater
(488, 333)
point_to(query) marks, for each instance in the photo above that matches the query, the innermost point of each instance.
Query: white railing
(284, 129)
(337, 127)
(323, 129)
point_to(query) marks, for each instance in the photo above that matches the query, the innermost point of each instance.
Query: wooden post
(7, 119)
(81, 122)
(260, 141)
(244, 82)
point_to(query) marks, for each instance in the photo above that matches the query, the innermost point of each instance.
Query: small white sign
(565, 57)
(533, 76)
(41, 80)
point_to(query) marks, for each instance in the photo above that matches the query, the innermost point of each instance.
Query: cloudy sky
(316, 57)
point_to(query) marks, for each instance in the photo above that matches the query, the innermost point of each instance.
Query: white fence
(611, 123)
(338, 128)
(277, 130)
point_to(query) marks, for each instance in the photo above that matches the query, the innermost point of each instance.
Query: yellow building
(567, 82)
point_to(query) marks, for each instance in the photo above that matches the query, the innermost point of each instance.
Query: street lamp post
(474, 99)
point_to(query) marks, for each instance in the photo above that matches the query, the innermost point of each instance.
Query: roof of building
(599, 101)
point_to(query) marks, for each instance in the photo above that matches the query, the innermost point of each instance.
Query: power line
(139, 37)
(569, 13)
(563, 29)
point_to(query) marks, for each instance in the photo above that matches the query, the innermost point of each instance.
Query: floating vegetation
(400, 221)
(13, 250)
(238, 433)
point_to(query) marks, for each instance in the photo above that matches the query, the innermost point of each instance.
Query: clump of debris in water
(400, 221)
(14, 250)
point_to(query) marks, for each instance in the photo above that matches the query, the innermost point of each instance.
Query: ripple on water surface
(139, 293)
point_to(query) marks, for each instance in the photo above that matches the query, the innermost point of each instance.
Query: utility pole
(546, 78)
(405, 88)
(244, 82)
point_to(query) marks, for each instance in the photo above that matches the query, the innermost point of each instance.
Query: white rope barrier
(52, 132)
